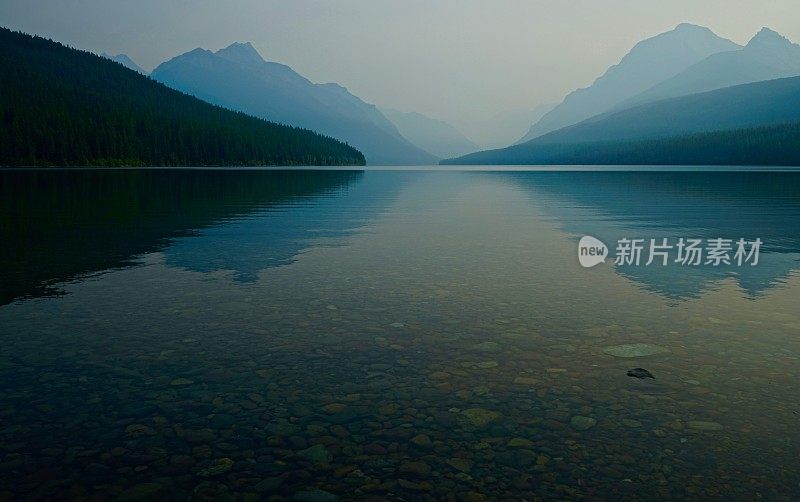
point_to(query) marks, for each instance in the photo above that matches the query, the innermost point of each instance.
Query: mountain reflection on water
(656, 205)
(57, 225)
(222, 335)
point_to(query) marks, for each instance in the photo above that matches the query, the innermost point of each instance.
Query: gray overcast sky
(452, 59)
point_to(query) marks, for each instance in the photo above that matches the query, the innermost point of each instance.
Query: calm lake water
(407, 335)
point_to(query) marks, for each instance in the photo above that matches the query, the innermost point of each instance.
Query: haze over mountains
(770, 102)
(650, 62)
(767, 56)
(503, 128)
(434, 136)
(735, 106)
(64, 107)
(756, 123)
(237, 77)
(125, 61)
(684, 96)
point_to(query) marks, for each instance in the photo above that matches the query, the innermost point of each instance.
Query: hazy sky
(452, 59)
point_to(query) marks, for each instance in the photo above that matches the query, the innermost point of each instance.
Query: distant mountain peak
(768, 38)
(238, 78)
(691, 27)
(125, 61)
(240, 52)
(649, 62)
(198, 51)
(682, 35)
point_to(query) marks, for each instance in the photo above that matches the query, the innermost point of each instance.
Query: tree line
(774, 145)
(64, 107)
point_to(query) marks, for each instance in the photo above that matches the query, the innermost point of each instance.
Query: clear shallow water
(210, 334)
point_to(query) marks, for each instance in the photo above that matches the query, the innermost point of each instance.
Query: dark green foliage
(64, 107)
(56, 224)
(777, 145)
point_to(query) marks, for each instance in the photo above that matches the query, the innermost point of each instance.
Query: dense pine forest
(777, 145)
(64, 107)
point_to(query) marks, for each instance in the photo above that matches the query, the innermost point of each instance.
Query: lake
(398, 334)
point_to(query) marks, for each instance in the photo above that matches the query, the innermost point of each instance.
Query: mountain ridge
(432, 135)
(125, 61)
(65, 107)
(705, 116)
(649, 62)
(238, 78)
(767, 56)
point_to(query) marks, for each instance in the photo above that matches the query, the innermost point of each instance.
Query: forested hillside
(64, 107)
(763, 146)
(772, 102)
(237, 77)
(749, 124)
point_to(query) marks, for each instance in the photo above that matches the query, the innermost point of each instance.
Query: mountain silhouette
(503, 128)
(762, 128)
(63, 107)
(650, 62)
(767, 56)
(434, 136)
(237, 77)
(125, 61)
(757, 104)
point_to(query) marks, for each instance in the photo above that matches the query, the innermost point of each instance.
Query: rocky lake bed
(403, 336)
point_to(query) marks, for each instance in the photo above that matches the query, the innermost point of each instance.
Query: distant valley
(434, 136)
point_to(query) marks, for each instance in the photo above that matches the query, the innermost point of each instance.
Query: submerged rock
(317, 454)
(270, 484)
(640, 373)
(700, 425)
(315, 496)
(460, 464)
(221, 466)
(142, 491)
(478, 418)
(420, 469)
(516, 459)
(520, 443)
(487, 347)
(282, 428)
(136, 430)
(334, 408)
(523, 380)
(635, 350)
(422, 441)
(582, 423)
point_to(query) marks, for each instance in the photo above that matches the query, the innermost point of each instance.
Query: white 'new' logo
(591, 251)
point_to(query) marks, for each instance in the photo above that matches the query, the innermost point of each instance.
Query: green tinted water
(399, 335)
